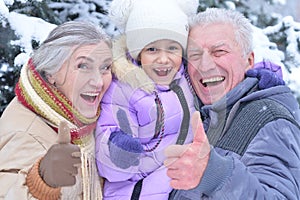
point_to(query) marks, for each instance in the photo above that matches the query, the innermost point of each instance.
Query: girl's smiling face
(161, 60)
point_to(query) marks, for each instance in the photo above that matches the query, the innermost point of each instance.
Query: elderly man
(248, 146)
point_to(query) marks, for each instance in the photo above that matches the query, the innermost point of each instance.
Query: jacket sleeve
(16, 160)
(269, 169)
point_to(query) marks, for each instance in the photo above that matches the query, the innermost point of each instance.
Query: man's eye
(220, 52)
(194, 56)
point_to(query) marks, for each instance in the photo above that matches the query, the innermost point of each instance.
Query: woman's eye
(106, 68)
(82, 66)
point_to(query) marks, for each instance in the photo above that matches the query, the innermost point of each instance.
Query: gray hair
(242, 26)
(62, 42)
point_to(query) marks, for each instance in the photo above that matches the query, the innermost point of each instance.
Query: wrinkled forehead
(211, 35)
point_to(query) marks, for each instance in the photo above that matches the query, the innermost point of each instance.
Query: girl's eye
(173, 48)
(151, 49)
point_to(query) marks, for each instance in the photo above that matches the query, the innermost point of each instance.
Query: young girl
(149, 103)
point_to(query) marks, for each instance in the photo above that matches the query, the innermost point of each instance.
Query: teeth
(214, 79)
(90, 94)
(163, 70)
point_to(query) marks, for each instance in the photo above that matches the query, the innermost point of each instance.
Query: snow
(3, 10)
(29, 28)
(36, 29)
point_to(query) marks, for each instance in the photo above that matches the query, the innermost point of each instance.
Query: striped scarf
(49, 103)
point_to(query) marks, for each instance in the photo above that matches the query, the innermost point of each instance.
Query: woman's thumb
(64, 136)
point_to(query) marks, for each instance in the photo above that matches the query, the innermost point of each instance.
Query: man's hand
(60, 164)
(187, 163)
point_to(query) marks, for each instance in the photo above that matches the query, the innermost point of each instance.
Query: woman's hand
(60, 164)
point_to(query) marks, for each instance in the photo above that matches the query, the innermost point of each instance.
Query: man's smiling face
(216, 61)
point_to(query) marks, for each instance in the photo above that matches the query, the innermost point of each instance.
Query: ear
(250, 61)
(50, 78)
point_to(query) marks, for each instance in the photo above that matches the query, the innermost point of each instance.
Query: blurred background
(24, 24)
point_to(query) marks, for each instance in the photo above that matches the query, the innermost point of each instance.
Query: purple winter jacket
(141, 112)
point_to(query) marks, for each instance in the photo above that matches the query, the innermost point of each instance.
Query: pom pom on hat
(146, 21)
(189, 7)
(119, 12)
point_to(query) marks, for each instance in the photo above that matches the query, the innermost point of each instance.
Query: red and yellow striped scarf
(49, 103)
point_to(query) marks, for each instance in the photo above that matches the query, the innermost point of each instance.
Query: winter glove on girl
(124, 149)
(268, 74)
(60, 164)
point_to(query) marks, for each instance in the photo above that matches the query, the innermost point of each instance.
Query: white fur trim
(126, 71)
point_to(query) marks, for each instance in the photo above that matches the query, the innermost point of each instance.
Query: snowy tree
(26, 23)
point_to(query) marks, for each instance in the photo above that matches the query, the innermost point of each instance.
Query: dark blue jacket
(270, 166)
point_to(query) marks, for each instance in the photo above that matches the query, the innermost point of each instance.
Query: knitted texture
(124, 149)
(38, 188)
(266, 77)
(48, 102)
(251, 118)
(146, 21)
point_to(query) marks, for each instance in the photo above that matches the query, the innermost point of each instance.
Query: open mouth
(89, 97)
(212, 81)
(163, 72)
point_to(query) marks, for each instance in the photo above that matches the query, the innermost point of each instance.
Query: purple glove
(270, 66)
(124, 149)
(269, 75)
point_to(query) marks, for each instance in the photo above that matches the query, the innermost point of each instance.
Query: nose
(96, 79)
(163, 57)
(207, 62)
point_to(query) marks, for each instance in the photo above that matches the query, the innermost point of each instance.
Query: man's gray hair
(242, 26)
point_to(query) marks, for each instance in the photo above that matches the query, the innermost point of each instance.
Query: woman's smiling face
(85, 77)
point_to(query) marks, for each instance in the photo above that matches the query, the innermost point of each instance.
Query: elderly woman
(46, 132)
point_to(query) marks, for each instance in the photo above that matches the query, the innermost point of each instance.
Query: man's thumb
(197, 128)
(64, 136)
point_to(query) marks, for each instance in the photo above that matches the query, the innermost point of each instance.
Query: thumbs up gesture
(60, 164)
(187, 163)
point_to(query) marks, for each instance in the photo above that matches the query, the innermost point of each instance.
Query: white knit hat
(146, 21)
